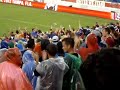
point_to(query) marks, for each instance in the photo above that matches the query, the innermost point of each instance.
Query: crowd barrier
(38, 5)
(100, 14)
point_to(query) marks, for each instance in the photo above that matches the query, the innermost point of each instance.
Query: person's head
(33, 29)
(39, 31)
(38, 41)
(45, 36)
(106, 31)
(68, 44)
(17, 32)
(79, 34)
(55, 40)
(101, 70)
(112, 29)
(51, 50)
(2, 52)
(60, 50)
(31, 44)
(4, 44)
(44, 43)
(14, 56)
(91, 40)
(11, 44)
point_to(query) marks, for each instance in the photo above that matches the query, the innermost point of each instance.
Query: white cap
(55, 38)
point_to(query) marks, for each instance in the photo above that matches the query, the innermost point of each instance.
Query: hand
(36, 57)
(77, 43)
(44, 55)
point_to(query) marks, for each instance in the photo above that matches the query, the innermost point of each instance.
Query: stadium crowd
(61, 59)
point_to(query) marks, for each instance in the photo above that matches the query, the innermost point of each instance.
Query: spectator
(2, 57)
(20, 45)
(92, 45)
(17, 35)
(37, 48)
(11, 75)
(101, 70)
(11, 44)
(78, 40)
(29, 61)
(44, 43)
(34, 33)
(73, 60)
(107, 38)
(60, 51)
(4, 44)
(55, 40)
(51, 70)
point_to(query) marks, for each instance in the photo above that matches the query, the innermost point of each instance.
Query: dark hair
(112, 28)
(69, 41)
(107, 29)
(99, 39)
(101, 71)
(33, 29)
(31, 43)
(60, 50)
(44, 43)
(39, 31)
(38, 40)
(17, 32)
(52, 49)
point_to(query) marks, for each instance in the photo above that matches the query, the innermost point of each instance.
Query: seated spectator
(11, 75)
(101, 70)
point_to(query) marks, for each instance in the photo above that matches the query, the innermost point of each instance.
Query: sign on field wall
(91, 2)
(19, 2)
(52, 1)
(114, 1)
(69, 0)
(76, 2)
(116, 15)
(98, 5)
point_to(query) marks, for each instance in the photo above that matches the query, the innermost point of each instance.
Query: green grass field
(12, 17)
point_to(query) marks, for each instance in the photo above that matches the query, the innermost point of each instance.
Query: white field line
(26, 22)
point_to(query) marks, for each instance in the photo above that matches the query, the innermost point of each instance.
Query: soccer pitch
(12, 17)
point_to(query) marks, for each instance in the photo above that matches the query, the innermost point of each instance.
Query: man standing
(51, 70)
(72, 79)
